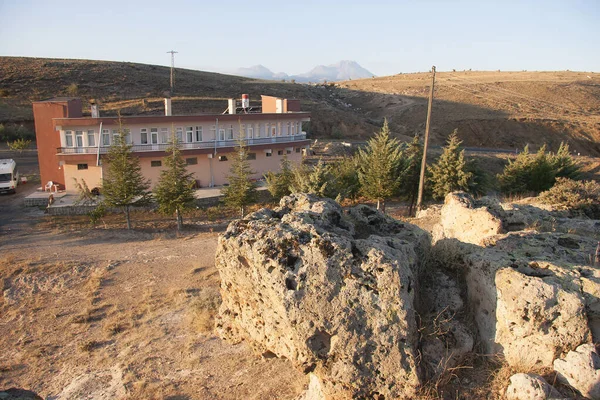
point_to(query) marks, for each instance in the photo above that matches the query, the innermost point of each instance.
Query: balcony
(139, 148)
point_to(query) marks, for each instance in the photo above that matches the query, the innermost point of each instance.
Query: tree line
(385, 168)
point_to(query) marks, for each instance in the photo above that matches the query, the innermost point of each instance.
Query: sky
(384, 36)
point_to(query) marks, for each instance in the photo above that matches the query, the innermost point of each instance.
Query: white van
(9, 176)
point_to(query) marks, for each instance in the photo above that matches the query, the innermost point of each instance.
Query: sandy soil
(111, 314)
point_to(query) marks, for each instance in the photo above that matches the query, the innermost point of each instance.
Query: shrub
(19, 145)
(536, 173)
(451, 172)
(579, 196)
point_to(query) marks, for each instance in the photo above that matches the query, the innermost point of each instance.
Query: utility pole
(172, 66)
(424, 161)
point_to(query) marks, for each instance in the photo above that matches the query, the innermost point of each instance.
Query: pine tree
(279, 183)
(563, 164)
(450, 172)
(124, 186)
(174, 191)
(409, 183)
(378, 169)
(313, 180)
(241, 191)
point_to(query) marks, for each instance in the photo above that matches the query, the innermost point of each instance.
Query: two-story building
(73, 146)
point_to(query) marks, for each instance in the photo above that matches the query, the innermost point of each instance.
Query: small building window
(91, 138)
(69, 139)
(298, 149)
(164, 135)
(279, 152)
(191, 161)
(251, 156)
(156, 163)
(198, 134)
(288, 151)
(82, 166)
(222, 158)
(268, 154)
(154, 135)
(144, 136)
(230, 132)
(105, 137)
(179, 133)
(79, 138)
(189, 134)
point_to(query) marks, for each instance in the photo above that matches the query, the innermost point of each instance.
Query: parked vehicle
(9, 176)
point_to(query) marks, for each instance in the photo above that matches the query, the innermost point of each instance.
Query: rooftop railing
(139, 148)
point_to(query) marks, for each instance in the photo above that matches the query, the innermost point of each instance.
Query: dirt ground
(110, 314)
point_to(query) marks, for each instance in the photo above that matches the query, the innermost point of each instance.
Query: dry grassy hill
(490, 109)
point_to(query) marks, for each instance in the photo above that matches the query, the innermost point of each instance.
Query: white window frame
(105, 137)
(250, 132)
(144, 136)
(198, 134)
(69, 139)
(164, 135)
(78, 138)
(91, 135)
(154, 135)
(230, 132)
(189, 134)
(179, 134)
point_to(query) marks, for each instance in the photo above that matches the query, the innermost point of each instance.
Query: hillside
(490, 109)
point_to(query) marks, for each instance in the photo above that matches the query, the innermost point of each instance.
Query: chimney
(94, 109)
(231, 107)
(167, 107)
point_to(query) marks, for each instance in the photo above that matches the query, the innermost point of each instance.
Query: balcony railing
(185, 146)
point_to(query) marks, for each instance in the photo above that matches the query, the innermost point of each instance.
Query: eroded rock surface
(530, 387)
(581, 370)
(533, 295)
(333, 292)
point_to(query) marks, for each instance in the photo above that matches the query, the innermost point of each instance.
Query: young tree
(174, 191)
(279, 183)
(450, 172)
(409, 181)
(124, 186)
(378, 167)
(532, 173)
(563, 164)
(241, 191)
(313, 180)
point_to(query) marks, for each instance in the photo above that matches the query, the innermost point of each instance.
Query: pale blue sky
(384, 36)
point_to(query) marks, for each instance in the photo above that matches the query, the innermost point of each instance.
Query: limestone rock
(530, 387)
(581, 370)
(333, 293)
(467, 220)
(525, 292)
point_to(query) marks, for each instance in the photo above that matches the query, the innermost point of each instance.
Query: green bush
(579, 196)
(534, 173)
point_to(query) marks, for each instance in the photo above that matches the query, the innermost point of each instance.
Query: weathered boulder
(332, 292)
(525, 292)
(581, 370)
(468, 220)
(530, 387)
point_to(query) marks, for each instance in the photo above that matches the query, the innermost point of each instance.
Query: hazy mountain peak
(340, 71)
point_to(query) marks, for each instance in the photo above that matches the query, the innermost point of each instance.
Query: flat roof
(57, 99)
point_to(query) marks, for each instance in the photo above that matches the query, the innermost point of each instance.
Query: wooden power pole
(426, 142)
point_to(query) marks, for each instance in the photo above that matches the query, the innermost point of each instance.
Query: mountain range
(341, 71)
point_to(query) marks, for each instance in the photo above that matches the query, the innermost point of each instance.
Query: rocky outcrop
(581, 370)
(532, 296)
(333, 292)
(467, 220)
(530, 387)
